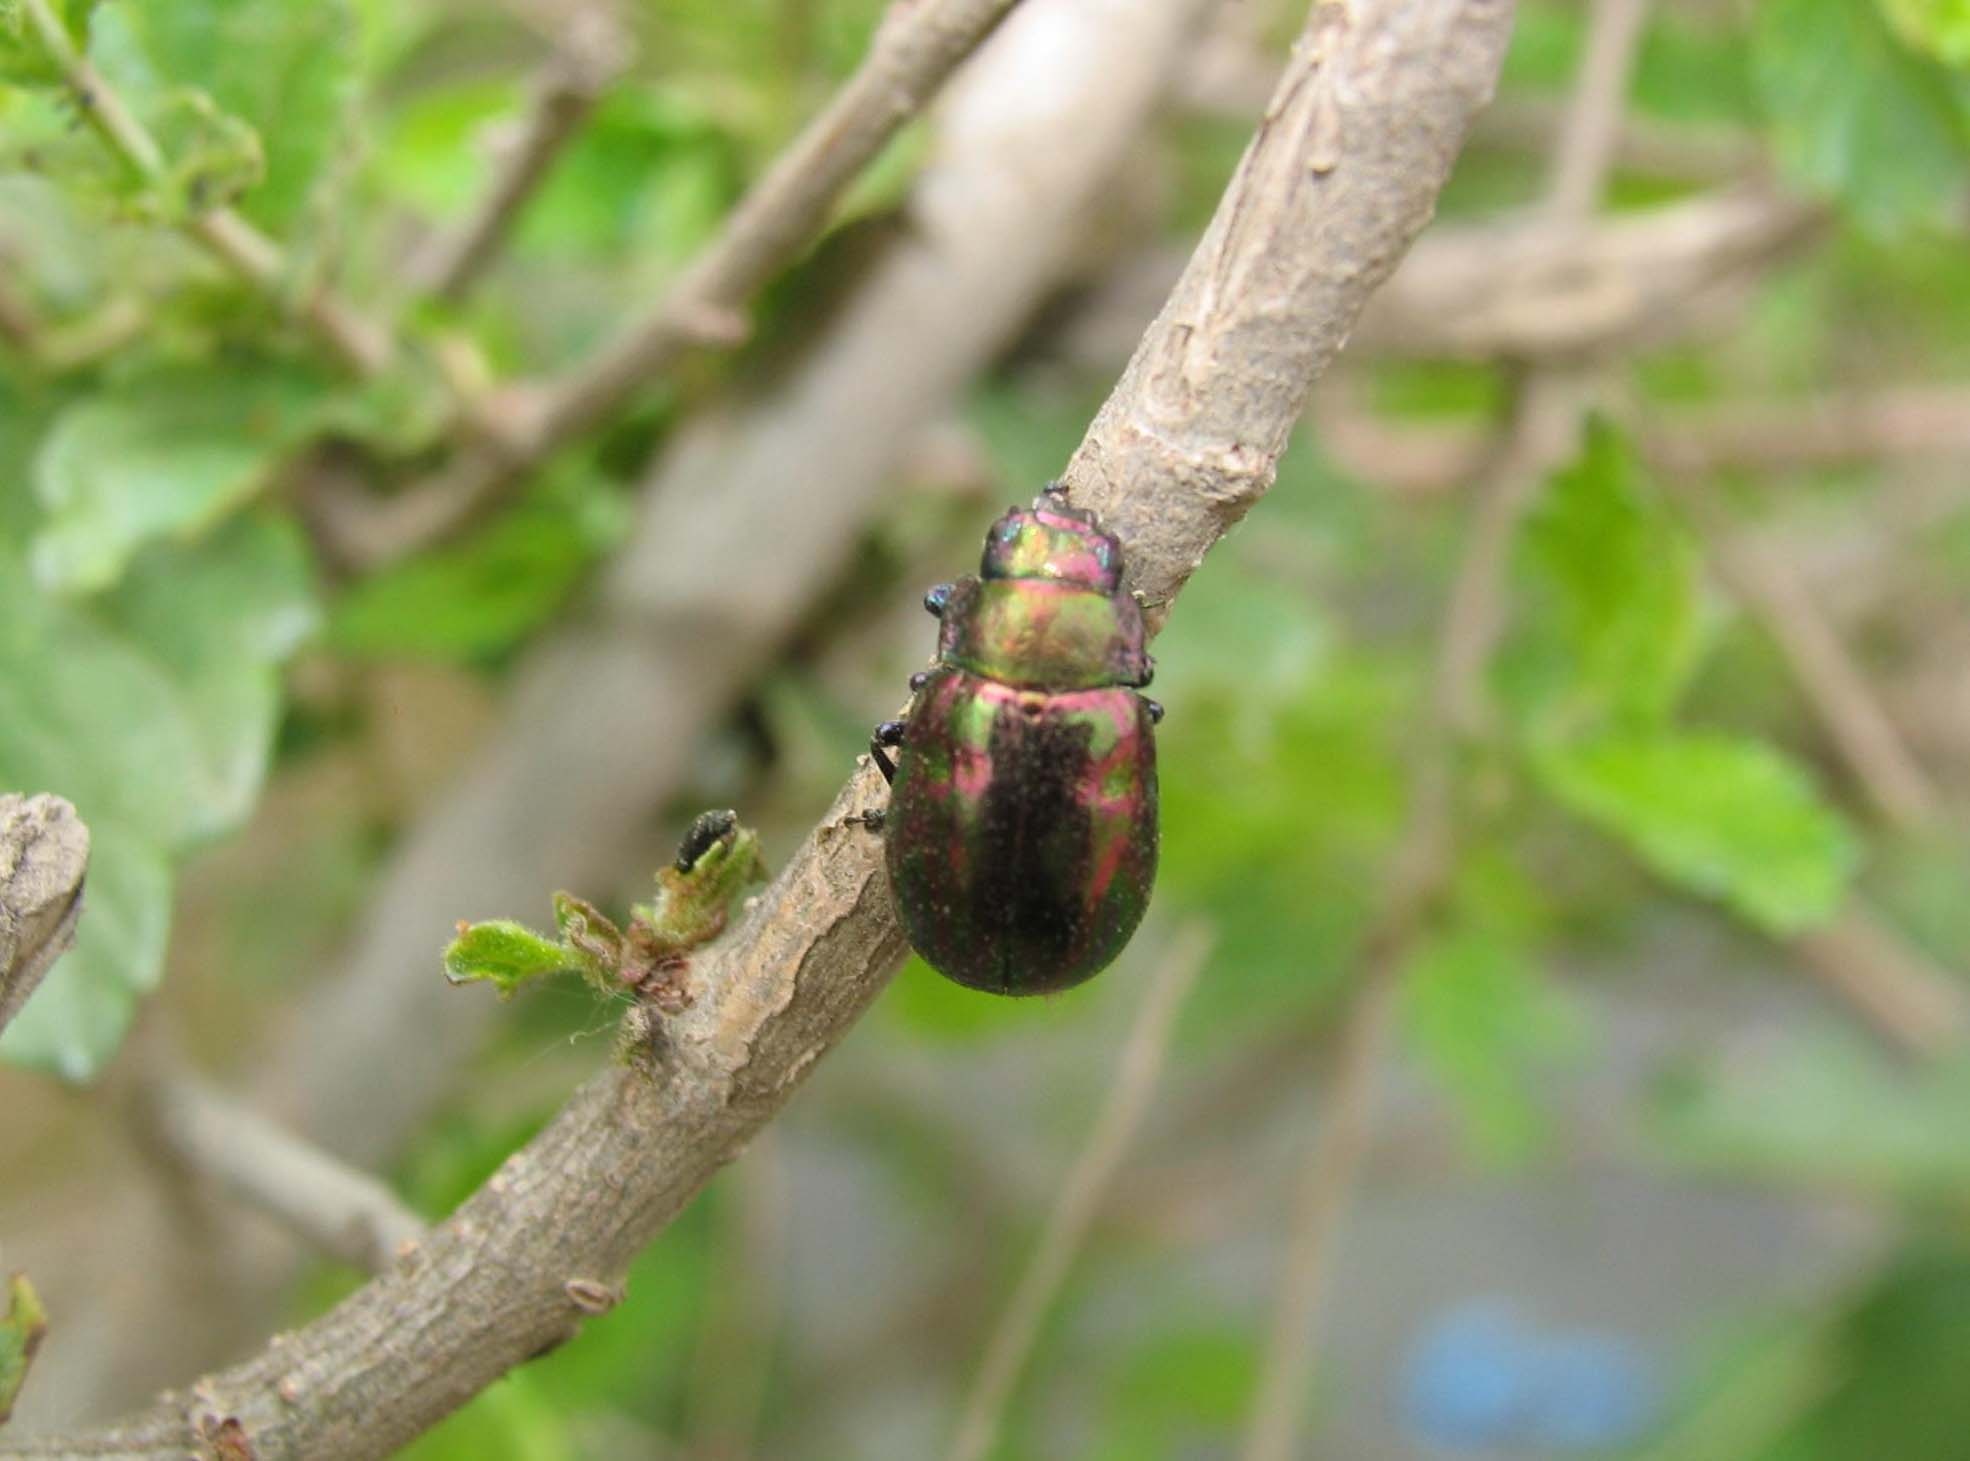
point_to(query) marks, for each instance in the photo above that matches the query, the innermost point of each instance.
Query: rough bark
(44, 852)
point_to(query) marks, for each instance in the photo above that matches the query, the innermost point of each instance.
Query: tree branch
(1898, 989)
(1590, 134)
(1827, 676)
(917, 46)
(348, 1214)
(1835, 430)
(1081, 1193)
(44, 852)
(996, 218)
(588, 55)
(1340, 177)
(1535, 288)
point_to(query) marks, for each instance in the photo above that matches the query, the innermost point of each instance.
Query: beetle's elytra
(1021, 831)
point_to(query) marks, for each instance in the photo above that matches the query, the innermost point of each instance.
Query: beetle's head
(1053, 540)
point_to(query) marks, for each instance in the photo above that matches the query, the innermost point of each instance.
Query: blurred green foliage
(1859, 116)
(157, 584)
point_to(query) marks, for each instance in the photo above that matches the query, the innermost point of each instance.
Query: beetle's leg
(1155, 710)
(938, 597)
(1148, 672)
(888, 736)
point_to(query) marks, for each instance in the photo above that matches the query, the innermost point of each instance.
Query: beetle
(1021, 834)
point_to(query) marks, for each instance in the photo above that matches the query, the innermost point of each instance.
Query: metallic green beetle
(1021, 831)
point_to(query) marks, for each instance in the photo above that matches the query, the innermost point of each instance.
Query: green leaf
(1730, 819)
(505, 955)
(153, 709)
(1624, 630)
(1896, 1384)
(285, 71)
(164, 456)
(428, 156)
(219, 623)
(1486, 1022)
(1940, 27)
(76, 1019)
(474, 600)
(1859, 117)
(24, 60)
(22, 1328)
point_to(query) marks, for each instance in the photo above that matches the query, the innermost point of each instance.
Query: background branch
(1342, 174)
(919, 44)
(1853, 718)
(1901, 992)
(1538, 287)
(346, 1213)
(590, 51)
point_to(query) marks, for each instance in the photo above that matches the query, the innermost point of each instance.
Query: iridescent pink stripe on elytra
(1112, 816)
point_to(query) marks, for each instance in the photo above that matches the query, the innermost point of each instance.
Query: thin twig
(1590, 135)
(1827, 676)
(917, 46)
(544, 1243)
(348, 1214)
(1081, 1194)
(1900, 991)
(589, 53)
(360, 344)
(1847, 429)
(1535, 288)
(44, 854)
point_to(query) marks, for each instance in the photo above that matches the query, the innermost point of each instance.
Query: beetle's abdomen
(1021, 837)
